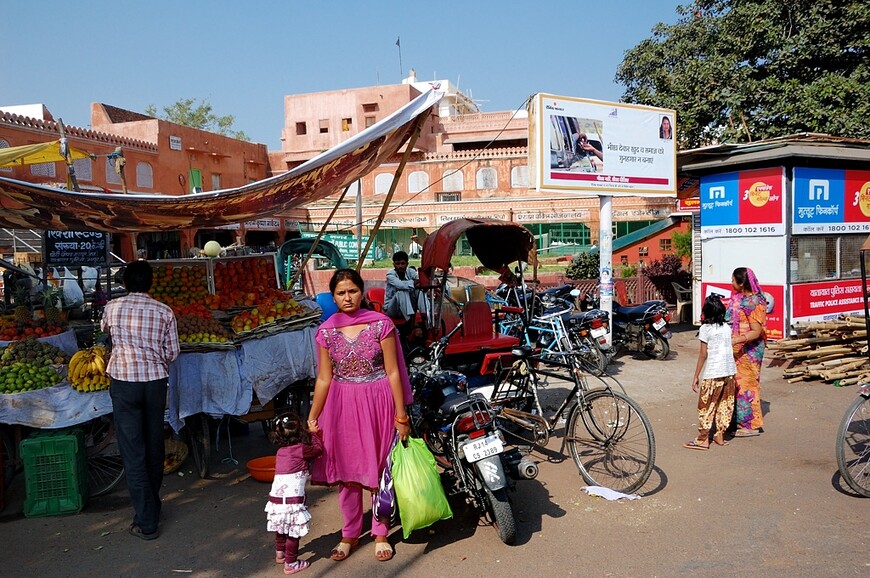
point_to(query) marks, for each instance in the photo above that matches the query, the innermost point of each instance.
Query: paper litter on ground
(608, 494)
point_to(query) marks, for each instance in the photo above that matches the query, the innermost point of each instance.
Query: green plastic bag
(421, 497)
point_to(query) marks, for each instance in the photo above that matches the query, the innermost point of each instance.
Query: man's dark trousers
(138, 409)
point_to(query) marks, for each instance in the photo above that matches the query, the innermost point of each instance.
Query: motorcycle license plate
(660, 323)
(600, 332)
(482, 448)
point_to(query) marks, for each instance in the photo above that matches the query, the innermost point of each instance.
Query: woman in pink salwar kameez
(359, 403)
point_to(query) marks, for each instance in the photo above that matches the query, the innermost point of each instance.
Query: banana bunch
(87, 369)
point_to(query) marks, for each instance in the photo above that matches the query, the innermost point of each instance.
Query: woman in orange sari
(747, 314)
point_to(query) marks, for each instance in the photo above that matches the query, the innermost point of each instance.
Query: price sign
(75, 248)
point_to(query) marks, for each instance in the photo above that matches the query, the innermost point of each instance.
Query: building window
(452, 180)
(112, 177)
(324, 125)
(370, 120)
(84, 169)
(665, 245)
(418, 181)
(346, 124)
(371, 107)
(215, 182)
(449, 197)
(487, 178)
(144, 176)
(520, 177)
(643, 251)
(623, 260)
(43, 170)
(301, 129)
(382, 183)
(824, 257)
(4, 144)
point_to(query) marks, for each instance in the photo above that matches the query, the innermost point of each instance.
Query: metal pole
(605, 254)
(864, 291)
(359, 217)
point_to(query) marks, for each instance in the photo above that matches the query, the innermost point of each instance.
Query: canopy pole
(418, 124)
(319, 236)
(71, 180)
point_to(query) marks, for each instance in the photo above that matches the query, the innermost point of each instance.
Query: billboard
(826, 300)
(592, 146)
(830, 201)
(775, 295)
(743, 204)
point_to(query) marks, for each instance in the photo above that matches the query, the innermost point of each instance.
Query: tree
(583, 266)
(682, 242)
(742, 70)
(185, 111)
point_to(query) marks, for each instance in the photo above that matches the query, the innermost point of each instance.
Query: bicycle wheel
(611, 441)
(853, 446)
(199, 436)
(105, 468)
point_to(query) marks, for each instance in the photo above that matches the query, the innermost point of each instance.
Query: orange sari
(748, 356)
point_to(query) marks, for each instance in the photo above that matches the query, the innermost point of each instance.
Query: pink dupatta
(366, 317)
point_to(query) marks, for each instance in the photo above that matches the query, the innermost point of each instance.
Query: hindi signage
(76, 248)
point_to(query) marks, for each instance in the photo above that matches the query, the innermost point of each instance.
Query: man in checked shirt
(144, 343)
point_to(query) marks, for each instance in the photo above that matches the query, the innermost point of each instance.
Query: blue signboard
(719, 203)
(819, 201)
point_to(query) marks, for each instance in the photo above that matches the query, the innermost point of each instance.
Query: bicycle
(608, 435)
(853, 443)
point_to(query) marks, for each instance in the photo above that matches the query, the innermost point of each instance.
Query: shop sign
(263, 225)
(552, 217)
(648, 213)
(441, 219)
(75, 248)
(291, 225)
(831, 201)
(347, 245)
(826, 300)
(743, 204)
(174, 143)
(693, 204)
(775, 295)
(405, 221)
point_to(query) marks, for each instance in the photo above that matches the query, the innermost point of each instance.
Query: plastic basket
(55, 473)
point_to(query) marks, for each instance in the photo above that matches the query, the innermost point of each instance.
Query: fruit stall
(242, 341)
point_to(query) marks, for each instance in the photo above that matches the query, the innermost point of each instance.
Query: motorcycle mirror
(575, 293)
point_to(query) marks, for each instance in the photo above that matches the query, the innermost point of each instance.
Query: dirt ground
(772, 505)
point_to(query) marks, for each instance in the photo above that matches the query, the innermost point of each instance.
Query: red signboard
(692, 204)
(826, 300)
(857, 198)
(775, 309)
(761, 196)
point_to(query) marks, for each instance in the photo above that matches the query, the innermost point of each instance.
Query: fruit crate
(181, 281)
(55, 473)
(265, 275)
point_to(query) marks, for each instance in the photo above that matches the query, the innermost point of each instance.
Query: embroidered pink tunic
(357, 418)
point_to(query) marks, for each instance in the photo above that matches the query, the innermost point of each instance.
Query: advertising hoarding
(775, 304)
(593, 146)
(745, 203)
(831, 201)
(826, 300)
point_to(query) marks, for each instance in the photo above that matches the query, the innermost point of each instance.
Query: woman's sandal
(695, 445)
(747, 433)
(343, 549)
(720, 440)
(383, 551)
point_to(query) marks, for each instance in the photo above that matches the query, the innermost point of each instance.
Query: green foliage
(583, 266)
(628, 271)
(187, 112)
(682, 243)
(740, 70)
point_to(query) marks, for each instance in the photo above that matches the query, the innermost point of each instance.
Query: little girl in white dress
(286, 514)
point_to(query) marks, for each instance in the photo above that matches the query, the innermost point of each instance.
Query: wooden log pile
(833, 351)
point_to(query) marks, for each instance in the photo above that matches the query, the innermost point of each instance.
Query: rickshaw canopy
(301, 247)
(495, 243)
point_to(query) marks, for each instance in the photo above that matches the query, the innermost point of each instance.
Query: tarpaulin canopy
(27, 205)
(34, 154)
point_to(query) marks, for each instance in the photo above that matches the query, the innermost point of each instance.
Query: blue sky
(244, 57)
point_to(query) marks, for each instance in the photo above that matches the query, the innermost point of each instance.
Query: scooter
(461, 432)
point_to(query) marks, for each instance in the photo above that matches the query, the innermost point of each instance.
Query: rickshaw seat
(376, 297)
(477, 332)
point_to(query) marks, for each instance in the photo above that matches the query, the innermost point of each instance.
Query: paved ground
(766, 506)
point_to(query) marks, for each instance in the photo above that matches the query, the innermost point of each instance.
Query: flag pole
(401, 68)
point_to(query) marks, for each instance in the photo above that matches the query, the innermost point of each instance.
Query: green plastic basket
(55, 473)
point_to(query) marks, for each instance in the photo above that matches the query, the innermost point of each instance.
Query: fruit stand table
(65, 341)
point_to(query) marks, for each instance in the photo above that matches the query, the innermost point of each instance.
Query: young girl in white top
(716, 386)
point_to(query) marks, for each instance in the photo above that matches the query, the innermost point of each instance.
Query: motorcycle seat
(635, 311)
(523, 351)
(453, 402)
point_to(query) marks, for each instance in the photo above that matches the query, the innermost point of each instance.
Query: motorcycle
(461, 432)
(640, 328)
(587, 331)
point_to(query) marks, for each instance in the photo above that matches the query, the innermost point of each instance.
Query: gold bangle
(405, 420)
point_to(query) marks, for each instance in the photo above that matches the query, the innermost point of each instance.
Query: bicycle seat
(523, 352)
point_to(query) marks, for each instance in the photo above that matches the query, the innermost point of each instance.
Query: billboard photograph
(595, 146)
